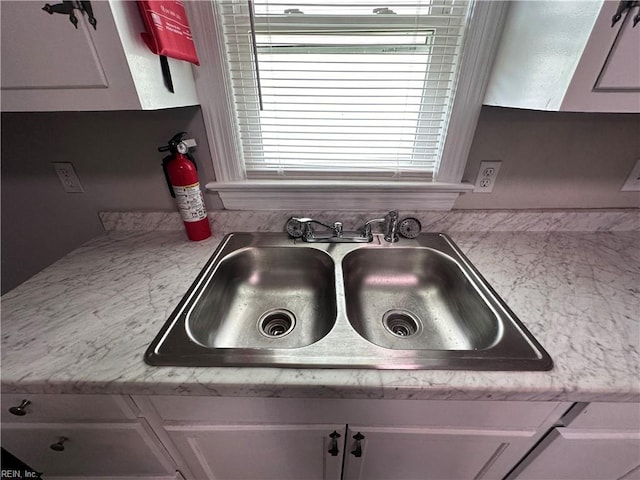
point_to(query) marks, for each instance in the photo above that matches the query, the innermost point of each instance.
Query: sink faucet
(301, 227)
(390, 226)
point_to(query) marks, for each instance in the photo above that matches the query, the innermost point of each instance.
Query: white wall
(554, 159)
(550, 160)
(116, 158)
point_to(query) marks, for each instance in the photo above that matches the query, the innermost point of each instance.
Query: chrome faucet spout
(391, 226)
(366, 229)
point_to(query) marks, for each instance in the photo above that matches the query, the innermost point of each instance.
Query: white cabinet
(85, 449)
(221, 438)
(49, 65)
(409, 453)
(254, 438)
(264, 452)
(602, 442)
(566, 56)
(82, 436)
(607, 78)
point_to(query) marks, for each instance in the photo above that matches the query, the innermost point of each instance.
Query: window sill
(337, 195)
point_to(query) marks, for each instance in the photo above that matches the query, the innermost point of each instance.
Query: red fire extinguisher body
(183, 176)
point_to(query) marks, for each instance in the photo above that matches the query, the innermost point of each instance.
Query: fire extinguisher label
(190, 202)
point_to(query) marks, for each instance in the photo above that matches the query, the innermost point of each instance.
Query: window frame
(237, 192)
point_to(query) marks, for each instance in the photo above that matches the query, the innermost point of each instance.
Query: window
(344, 91)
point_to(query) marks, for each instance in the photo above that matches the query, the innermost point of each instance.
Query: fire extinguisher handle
(165, 162)
(173, 143)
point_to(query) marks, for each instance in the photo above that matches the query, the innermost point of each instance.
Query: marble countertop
(83, 324)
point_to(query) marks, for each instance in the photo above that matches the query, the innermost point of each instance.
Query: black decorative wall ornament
(68, 7)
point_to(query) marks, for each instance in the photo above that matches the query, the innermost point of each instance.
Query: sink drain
(276, 323)
(401, 323)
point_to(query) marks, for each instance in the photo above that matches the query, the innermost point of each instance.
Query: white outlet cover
(633, 181)
(487, 174)
(68, 177)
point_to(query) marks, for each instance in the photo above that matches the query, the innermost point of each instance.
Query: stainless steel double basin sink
(264, 299)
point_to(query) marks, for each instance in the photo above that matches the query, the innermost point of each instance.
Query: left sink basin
(253, 298)
(264, 297)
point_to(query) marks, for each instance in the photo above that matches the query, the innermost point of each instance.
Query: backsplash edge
(226, 221)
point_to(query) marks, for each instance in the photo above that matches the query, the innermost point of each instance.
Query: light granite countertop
(83, 324)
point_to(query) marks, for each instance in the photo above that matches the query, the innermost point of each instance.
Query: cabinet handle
(20, 409)
(59, 446)
(88, 9)
(357, 449)
(333, 445)
(66, 8)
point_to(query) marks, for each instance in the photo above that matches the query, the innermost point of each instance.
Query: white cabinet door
(49, 65)
(432, 453)
(123, 449)
(607, 78)
(621, 70)
(580, 454)
(45, 51)
(259, 452)
(24, 408)
(566, 56)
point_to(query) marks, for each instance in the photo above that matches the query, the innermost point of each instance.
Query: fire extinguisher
(181, 172)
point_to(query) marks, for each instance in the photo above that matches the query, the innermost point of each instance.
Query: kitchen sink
(264, 299)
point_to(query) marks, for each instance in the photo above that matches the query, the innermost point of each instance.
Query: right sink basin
(424, 301)
(418, 299)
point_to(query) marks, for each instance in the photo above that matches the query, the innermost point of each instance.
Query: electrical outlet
(487, 176)
(633, 181)
(68, 178)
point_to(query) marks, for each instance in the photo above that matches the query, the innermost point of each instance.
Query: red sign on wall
(168, 31)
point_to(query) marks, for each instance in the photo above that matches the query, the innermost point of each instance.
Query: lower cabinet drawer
(25, 407)
(620, 416)
(87, 449)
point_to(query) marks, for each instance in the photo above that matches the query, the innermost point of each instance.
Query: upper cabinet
(57, 62)
(567, 56)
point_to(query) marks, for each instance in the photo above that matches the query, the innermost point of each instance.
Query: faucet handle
(391, 217)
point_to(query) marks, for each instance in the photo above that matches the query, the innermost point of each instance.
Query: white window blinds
(342, 89)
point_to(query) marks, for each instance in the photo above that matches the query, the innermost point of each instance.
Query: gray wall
(554, 160)
(115, 156)
(550, 160)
